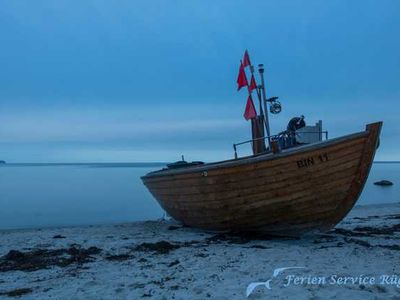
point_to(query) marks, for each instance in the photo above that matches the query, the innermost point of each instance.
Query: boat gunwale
(254, 158)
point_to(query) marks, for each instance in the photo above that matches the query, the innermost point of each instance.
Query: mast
(257, 90)
(261, 71)
(261, 115)
(258, 93)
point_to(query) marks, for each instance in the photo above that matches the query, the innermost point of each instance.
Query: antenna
(262, 87)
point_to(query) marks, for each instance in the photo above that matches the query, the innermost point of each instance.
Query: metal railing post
(234, 148)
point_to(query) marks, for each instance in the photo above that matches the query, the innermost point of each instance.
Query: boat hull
(302, 189)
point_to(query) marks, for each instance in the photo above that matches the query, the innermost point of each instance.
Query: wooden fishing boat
(310, 187)
(287, 188)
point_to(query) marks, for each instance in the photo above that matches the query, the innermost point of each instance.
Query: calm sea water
(38, 195)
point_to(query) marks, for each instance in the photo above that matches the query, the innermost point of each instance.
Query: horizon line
(126, 162)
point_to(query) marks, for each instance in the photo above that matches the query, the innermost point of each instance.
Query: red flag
(241, 80)
(246, 59)
(250, 111)
(253, 84)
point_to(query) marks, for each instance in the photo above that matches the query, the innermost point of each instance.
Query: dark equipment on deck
(296, 123)
(287, 138)
(184, 164)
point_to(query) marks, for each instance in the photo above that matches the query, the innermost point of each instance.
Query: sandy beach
(163, 260)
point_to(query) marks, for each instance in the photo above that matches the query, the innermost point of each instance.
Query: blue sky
(87, 81)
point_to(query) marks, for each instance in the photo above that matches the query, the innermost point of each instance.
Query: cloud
(140, 132)
(97, 125)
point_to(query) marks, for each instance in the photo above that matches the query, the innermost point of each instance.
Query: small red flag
(246, 59)
(253, 84)
(241, 80)
(250, 111)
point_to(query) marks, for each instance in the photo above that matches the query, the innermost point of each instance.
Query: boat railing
(276, 137)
